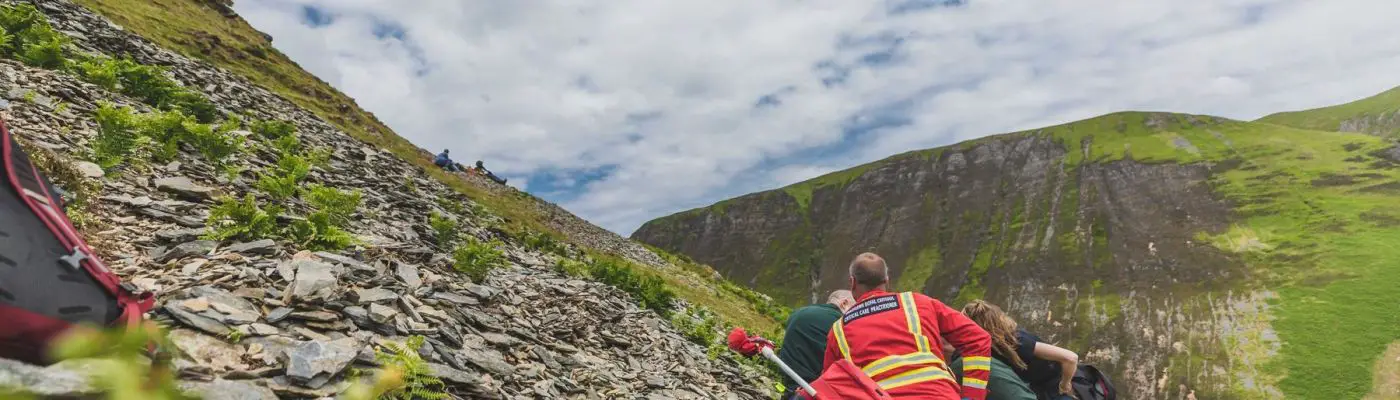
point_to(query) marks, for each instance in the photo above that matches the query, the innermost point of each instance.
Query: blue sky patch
(896, 7)
(315, 17)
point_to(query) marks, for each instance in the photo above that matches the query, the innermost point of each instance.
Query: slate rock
(181, 235)
(185, 188)
(481, 291)
(488, 360)
(199, 321)
(408, 274)
(221, 389)
(454, 376)
(373, 295)
(195, 248)
(381, 313)
(311, 363)
(264, 246)
(89, 170)
(314, 279)
(278, 314)
(66, 378)
(456, 298)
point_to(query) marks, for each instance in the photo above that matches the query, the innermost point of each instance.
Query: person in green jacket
(1003, 384)
(804, 344)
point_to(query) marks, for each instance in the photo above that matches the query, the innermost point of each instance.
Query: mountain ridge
(1226, 226)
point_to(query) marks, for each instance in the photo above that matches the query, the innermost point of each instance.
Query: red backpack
(50, 279)
(842, 380)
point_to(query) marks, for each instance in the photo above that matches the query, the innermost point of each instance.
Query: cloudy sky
(627, 110)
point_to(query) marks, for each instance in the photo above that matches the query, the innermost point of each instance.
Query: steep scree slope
(1185, 254)
(266, 319)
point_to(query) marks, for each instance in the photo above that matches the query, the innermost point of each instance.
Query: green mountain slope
(1376, 115)
(1184, 253)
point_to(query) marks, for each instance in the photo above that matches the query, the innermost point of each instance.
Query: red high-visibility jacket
(894, 338)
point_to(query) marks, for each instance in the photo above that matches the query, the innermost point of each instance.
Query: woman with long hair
(1047, 368)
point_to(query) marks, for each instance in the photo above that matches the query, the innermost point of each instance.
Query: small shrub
(418, 379)
(701, 328)
(477, 259)
(242, 220)
(571, 268)
(318, 232)
(116, 135)
(289, 144)
(166, 131)
(101, 71)
(543, 242)
(149, 84)
(339, 205)
(195, 105)
(273, 129)
(649, 289)
(30, 38)
(282, 182)
(45, 52)
(444, 229)
(320, 157)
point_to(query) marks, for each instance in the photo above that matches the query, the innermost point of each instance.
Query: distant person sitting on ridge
(445, 162)
(1047, 368)
(482, 170)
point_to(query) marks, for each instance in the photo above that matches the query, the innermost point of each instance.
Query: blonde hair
(999, 325)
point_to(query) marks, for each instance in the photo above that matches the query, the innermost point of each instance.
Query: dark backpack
(1091, 384)
(50, 279)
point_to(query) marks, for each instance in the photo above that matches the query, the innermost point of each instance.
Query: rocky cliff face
(1122, 237)
(304, 319)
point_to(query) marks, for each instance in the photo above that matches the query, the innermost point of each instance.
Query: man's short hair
(837, 296)
(869, 270)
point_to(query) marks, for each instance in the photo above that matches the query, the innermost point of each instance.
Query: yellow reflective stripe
(841, 340)
(975, 383)
(911, 319)
(916, 376)
(892, 362)
(977, 364)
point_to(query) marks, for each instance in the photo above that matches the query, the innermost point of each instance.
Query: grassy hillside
(1383, 105)
(195, 29)
(1317, 220)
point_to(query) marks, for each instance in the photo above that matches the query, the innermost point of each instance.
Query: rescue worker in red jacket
(894, 338)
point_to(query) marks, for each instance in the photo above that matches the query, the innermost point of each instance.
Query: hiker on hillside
(804, 344)
(1003, 384)
(481, 169)
(894, 338)
(445, 162)
(1048, 369)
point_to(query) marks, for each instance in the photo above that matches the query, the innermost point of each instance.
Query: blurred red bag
(843, 380)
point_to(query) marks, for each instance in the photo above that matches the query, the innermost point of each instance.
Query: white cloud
(661, 93)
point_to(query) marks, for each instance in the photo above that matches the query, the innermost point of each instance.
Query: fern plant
(116, 135)
(338, 204)
(418, 380)
(282, 182)
(444, 229)
(243, 220)
(477, 259)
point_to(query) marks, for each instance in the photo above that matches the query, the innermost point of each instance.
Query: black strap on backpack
(1091, 384)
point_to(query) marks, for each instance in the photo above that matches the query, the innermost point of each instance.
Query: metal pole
(768, 353)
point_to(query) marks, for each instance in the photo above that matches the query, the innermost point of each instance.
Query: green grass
(918, 269)
(1331, 118)
(1331, 265)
